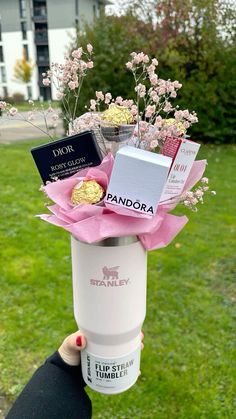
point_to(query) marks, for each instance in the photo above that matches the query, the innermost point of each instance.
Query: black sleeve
(55, 391)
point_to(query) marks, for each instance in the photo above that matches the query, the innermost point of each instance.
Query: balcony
(41, 37)
(40, 14)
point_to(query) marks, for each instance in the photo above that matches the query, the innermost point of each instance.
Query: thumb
(71, 347)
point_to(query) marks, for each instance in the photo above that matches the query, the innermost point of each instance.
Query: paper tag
(110, 375)
(180, 169)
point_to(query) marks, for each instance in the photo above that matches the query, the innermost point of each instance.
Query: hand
(73, 344)
(71, 347)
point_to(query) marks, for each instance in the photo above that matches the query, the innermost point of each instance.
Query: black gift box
(62, 158)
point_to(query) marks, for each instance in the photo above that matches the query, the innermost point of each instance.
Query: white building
(44, 29)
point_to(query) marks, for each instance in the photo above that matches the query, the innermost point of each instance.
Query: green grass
(25, 106)
(188, 364)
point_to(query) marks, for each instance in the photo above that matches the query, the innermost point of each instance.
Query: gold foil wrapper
(179, 125)
(117, 115)
(87, 192)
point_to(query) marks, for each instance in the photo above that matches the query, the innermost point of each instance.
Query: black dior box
(62, 158)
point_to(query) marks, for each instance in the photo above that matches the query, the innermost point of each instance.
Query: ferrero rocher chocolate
(179, 125)
(87, 192)
(117, 115)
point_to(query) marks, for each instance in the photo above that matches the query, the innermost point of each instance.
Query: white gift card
(137, 180)
(183, 153)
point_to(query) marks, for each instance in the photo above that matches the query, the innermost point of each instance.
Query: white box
(184, 153)
(137, 180)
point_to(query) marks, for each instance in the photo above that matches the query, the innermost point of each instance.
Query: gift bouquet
(113, 182)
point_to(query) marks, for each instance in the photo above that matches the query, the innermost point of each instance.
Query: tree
(195, 43)
(23, 69)
(113, 39)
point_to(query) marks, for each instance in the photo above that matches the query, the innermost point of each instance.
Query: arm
(56, 390)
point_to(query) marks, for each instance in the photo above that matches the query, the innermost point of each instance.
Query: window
(45, 93)
(94, 11)
(29, 92)
(24, 30)
(42, 54)
(3, 78)
(39, 9)
(26, 51)
(5, 92)
(22, 4)
(76, 7)
(1, 54)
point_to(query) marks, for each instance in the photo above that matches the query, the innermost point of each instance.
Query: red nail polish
(79, 341)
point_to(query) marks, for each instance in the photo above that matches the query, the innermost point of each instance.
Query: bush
(18, 97)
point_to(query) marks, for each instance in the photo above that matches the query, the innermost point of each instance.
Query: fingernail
(79, 340)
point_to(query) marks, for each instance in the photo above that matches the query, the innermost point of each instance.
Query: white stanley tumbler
(109, 288)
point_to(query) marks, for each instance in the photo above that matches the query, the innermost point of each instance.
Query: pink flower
(134, 110)
(194, 201)
(161, 91)
(151, 68)
(82, 66)
(46, 82)
(186, 124)
(173, 94)
(205, 180)
(50, 109)
(89, 48)
(100, 95)
(141, 90)
(13, 111)
(153, 79)
(155, 62)
(93, 104)
(129, 65)
(150, 110)
(3, 105)
(72, 85)
(145, 58)
(158, 121)
(90, 64)
(119, 100)
(177, 85)
(30, 116)
(199, 193)
(167, 107)
(59, 95)
(77, 53)
(153, 144)
(153, 95)
(143, 126)
(108, 98)
(178, 115)
(128, 103)
(185, 113)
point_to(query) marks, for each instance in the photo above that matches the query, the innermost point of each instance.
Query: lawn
(188, 364)
(25, 106)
